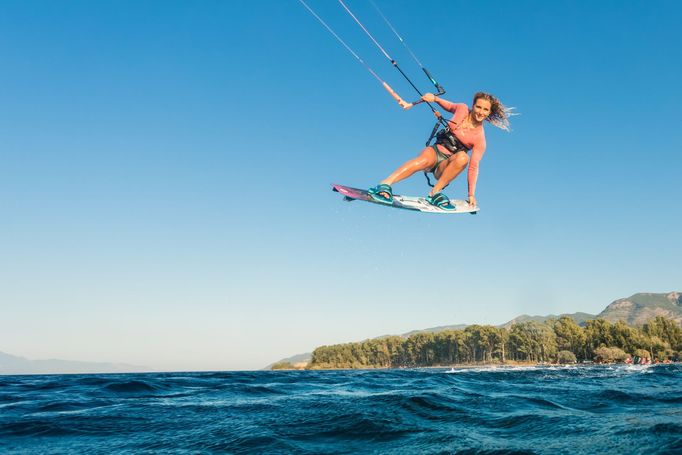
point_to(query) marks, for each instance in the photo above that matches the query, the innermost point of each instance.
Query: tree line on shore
(561, 340)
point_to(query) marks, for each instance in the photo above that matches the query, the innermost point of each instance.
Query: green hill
(579, 318)
(639, 308)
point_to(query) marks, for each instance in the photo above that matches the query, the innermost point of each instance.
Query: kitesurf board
(404, 202)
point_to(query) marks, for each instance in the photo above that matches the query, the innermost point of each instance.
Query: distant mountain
(436, 329)
(579, 318)
(635, 310)
(639, 308)
(10, 364)
(296, 359)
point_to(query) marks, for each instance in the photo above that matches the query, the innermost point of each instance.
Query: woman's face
(481, 109)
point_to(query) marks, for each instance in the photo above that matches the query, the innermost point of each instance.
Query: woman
(448, 157)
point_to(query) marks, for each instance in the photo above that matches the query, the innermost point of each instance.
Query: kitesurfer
(448, 157)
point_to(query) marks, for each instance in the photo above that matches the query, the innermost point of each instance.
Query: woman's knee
(461, 159)
(427, 158)
(424, 164)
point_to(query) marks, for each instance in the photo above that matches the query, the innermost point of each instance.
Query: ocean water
(544, 410)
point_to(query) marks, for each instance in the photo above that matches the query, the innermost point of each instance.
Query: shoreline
(464, 366)
(512, 364)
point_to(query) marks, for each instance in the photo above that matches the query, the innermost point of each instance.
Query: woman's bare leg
(448, 170)
(425, 160)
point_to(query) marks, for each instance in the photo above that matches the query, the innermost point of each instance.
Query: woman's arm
(472, 175)
(445, 104)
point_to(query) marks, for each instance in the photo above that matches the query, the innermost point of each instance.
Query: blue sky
(165, 171)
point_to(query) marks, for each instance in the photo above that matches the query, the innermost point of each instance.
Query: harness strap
(433, 133)
(428, 180)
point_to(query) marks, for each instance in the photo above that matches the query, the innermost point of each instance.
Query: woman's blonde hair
(499, 114)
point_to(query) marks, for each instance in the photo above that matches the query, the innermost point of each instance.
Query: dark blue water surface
(584, 409)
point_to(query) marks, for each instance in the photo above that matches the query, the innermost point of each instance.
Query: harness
(447, 139)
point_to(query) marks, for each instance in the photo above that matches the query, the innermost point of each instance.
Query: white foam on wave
(493, 369)
(645, 369)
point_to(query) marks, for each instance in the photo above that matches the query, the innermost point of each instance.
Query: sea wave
(540, 409)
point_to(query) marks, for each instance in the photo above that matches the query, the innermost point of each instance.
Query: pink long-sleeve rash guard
(473, 138)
